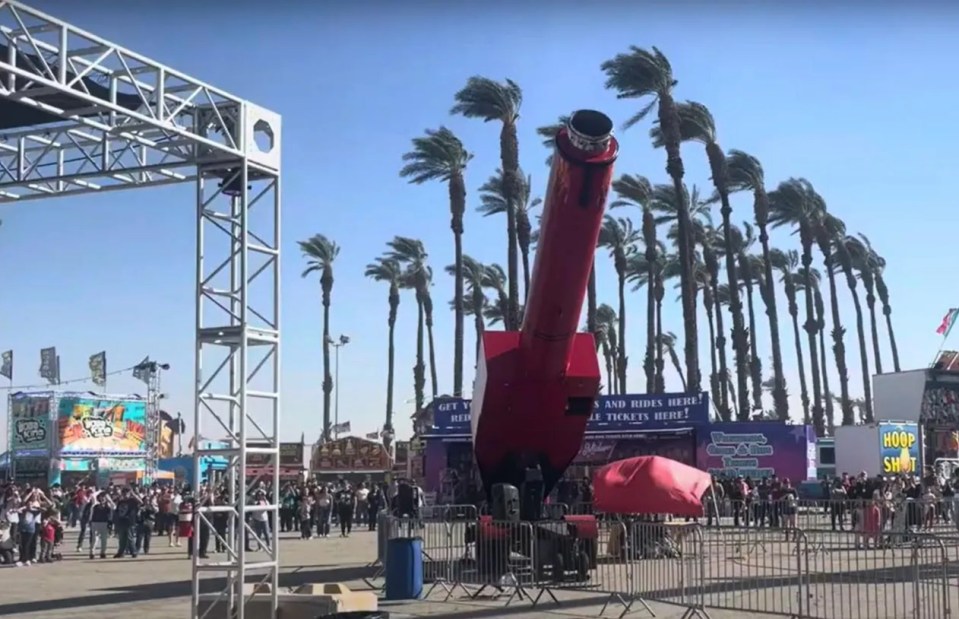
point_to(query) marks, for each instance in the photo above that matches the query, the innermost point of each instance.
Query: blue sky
(852, 101)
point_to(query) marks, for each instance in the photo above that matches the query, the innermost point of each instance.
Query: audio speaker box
(407, 500)
(505, 503)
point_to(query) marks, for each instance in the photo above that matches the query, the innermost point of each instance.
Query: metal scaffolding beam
(79, 114)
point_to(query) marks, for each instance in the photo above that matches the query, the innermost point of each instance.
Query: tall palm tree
(867, 265)
(787, 263)
(474, 274)
(389, 271)
(320, 253)
(829, 231)
(883, 291)
(852, 256)
(705, 284)
(440, 156)
(494, 314)
(795, 203)
(548, 135)
(618, 236)
(411, 253)
(830, 421)
(640, 74)
(606, 323)
(696, 124)
(493, 202)
(745, 173)
(750, 274)
(817, 326)
(635, 190)
(494, 278)
(667, 342)
(490, 100)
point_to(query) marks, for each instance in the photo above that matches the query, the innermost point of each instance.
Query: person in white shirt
(175, 503)
(260, 519)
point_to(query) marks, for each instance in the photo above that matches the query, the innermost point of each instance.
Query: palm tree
(867, 266)
(794, 202)
(618, 236)
(606, 324)
(490, 100)
(879, 266)
(667, 342)
(750, 274)
(817, 324)
(440, 156)
(821, 330)
(852, 256)
(474, 274)
(639, 74)
(635, 190)
(389, 271)
(320, 253)
(696, 124)
(548, 133)
(493, 313)
(419, 276)
(494, 278)
(787, 263)
(493, 202)
(745, 173)
(705, 284)
(829, 231)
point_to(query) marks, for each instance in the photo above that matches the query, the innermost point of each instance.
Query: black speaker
(505, 505)
(407, 500)
(532, 495)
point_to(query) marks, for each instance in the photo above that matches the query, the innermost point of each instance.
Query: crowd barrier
(791, 572)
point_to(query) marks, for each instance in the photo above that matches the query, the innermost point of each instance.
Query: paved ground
(741, 572)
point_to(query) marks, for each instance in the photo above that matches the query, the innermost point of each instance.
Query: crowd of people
(126, 521)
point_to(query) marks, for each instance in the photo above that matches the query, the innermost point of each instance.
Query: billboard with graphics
(30, 423)
(899, 448)
(91, 426)
(758, 449)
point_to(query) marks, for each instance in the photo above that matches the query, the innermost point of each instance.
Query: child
(871, 522)
(48, 535)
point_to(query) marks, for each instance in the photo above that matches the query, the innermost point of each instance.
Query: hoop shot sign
(102, 427)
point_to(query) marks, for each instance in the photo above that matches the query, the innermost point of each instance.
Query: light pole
(337, 344)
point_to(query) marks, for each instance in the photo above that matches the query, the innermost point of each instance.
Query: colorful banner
(351, 454)
(899, 448)
(758, 449)
(90, 426)
(30, 423)
(614, 413)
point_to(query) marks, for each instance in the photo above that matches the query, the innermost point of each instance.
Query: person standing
(100, 515)
(345, 507)
(29, 523)
(125, 520)
(146, 521)
(324, 512)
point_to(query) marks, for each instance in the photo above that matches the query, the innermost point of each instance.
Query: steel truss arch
(79, 114)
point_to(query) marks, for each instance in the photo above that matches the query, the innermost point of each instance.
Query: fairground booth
(293, 461)
(351, 458)
(672, 425)
(58, 437)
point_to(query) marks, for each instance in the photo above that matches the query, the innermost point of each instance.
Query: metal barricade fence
(814, 574)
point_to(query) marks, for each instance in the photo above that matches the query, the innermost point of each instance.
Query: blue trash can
(404, 569)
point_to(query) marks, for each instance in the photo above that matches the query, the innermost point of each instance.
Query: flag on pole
(340, 428)
(373, 435)
(6, 365)
(98, 368)
(50, 365)
(142, 370)
(947, 322)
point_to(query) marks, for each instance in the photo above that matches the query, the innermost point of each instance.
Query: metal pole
(336, 393)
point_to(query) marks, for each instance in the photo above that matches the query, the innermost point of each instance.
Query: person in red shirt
(48, 537)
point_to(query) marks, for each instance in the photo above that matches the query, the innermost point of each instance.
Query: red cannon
(536, 388)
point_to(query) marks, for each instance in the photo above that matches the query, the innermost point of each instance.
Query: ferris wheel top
(80, 114)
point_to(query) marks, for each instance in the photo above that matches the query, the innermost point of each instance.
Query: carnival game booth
(622, 426)
(352, 459)
(64, 437)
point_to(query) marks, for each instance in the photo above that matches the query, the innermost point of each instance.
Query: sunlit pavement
(157, 586)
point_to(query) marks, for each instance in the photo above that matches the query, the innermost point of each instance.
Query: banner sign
(351, 454)
(34, 471)
(291, 455)
(91, 426)
(899, 448)
(758, 449)
(614, 413)
(30, 423)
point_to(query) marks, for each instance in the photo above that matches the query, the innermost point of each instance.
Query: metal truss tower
(79, 114)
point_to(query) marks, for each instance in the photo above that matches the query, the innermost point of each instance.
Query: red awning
(650, 485)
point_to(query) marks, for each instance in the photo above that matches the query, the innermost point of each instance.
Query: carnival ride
(536, 388)
(79, 114)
